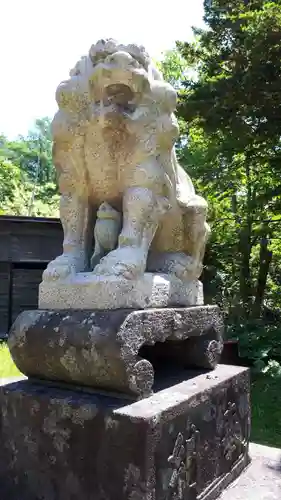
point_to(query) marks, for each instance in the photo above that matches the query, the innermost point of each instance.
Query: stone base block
(186, 442)
(115, 350)
(88, 291)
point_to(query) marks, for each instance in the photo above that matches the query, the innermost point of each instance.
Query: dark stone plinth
(108, 349)
(186, 442)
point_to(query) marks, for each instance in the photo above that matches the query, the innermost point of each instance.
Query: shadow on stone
(190, 437)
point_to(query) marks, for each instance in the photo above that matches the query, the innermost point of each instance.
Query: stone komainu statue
(126, 205)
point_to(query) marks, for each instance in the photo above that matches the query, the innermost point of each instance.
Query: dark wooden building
(26, 246)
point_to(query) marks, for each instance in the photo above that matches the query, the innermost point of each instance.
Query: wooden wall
(4, 297)
(26, 247)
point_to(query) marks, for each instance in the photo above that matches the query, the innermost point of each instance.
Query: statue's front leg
(74, 212)
(142, 208)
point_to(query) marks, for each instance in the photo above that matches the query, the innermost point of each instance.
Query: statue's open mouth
(119, 93)
(120, 86)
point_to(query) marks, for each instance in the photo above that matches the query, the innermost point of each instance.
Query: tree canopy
(28, 179)
(229, 108)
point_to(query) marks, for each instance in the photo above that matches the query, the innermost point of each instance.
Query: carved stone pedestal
(115, 350)
(88, 291)
(185, 442)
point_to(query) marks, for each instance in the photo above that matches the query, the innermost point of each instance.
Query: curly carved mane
(124, 76)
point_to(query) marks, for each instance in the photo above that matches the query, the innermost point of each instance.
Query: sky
(41, 40)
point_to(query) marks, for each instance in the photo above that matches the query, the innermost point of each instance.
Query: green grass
(266, 405)
(265, 396)
(7, 366)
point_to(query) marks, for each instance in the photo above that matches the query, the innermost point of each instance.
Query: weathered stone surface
(120, 183)
(261, 480)
(112, 349)
(85, 291)
(186, 442)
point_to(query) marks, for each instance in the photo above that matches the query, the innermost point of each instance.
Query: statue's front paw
(57, 272)
(188, 271)
(185, 267)
(62, 267)
(126, 262)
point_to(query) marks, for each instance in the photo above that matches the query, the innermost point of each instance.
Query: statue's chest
(109, 136)
(108, 156)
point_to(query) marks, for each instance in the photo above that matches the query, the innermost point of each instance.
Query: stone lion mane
(155, 104)
(114, 137)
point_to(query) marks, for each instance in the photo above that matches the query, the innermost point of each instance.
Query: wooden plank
(4, 297)
(24, 241)
(35, 242)
(25, 290)
(29, 241)
(5, 244)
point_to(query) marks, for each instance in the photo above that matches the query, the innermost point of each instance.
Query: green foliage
(173, 67)
(27, 174)
(265, 406)
(10, 181)
(7, 366)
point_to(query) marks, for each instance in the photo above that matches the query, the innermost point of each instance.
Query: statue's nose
(122, 59)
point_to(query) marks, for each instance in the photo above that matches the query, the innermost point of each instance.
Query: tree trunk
(246, 291)
(264, 264)
(245, 247)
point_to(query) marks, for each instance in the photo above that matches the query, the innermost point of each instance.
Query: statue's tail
(184, 187)
(179, 185)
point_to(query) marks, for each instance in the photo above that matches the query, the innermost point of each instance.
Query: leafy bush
(259, 343)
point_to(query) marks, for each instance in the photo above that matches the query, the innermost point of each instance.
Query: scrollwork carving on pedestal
(183, 464)
(233, 441)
